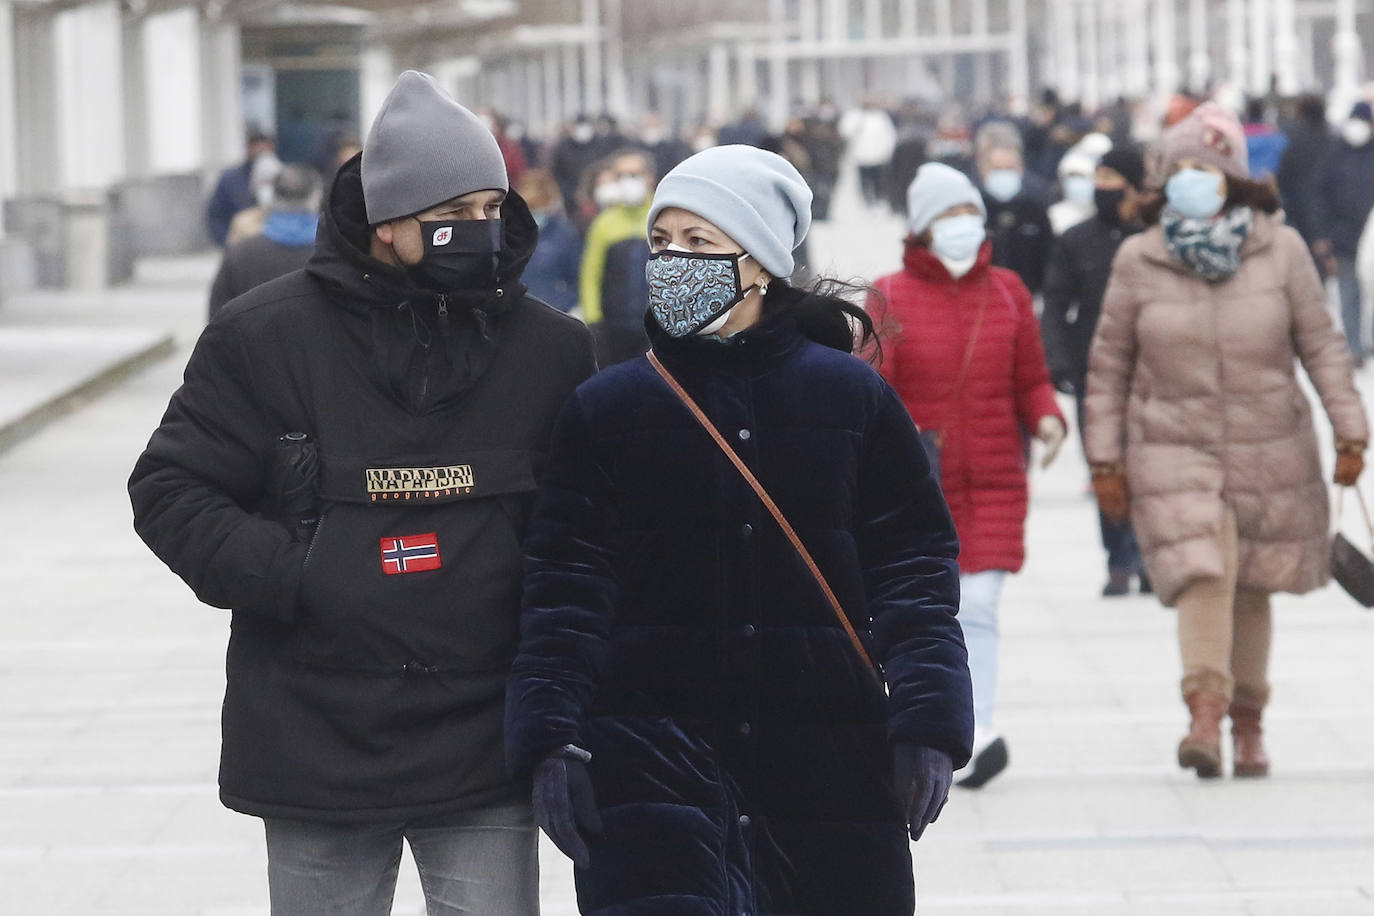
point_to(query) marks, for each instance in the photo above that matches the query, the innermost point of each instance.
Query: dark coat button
(744, 820)
(745, 729)
(749, 631)
(744, 435)
(746, 529)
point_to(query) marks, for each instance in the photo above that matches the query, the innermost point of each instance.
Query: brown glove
(1348, 468)
(1112, 496)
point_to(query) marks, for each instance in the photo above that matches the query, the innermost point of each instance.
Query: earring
(763, 288)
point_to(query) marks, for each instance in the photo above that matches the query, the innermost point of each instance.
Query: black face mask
(460, 255)
(1109, 205)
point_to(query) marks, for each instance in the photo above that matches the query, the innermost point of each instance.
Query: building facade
(116, 114)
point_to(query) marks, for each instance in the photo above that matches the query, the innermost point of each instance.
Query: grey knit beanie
(756, 197)
(425, 148)
(935, 189)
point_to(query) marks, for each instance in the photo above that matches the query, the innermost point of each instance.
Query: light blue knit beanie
(935, 189)
(756, 197)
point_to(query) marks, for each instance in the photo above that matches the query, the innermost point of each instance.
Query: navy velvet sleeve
(569, 593)
(908, 548)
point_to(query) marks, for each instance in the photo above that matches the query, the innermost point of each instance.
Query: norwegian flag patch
(410, 553)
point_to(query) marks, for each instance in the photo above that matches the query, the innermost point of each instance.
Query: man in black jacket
(1075, 283)
(349, 467)
(1018, 221)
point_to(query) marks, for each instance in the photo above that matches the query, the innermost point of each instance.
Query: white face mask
(583, 133)
(607, 194)
(633, 191)
(1356, 131)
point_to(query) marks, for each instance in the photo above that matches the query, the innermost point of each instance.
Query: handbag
(773, 510)
(1352, 569)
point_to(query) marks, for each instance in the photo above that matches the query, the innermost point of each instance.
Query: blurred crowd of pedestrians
(1017, 218)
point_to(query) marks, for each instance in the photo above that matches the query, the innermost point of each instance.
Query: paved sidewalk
(111, 677)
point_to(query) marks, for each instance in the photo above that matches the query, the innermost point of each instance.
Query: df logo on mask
(442, 236)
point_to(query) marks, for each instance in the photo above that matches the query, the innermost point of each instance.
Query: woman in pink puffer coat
(1197, 429)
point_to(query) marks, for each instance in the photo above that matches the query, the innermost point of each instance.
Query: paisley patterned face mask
(691, 293)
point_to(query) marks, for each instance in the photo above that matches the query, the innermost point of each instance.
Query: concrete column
(1166, 48)
(1199, 56)
(554, 111)
(873, 20)
(906, 18)
(593, 94)
(9, 140)
(1237, 58)
(1109, 49)
(221, 59)
(37, 134)
(747, 78)
(90, 78)
(1065, 45)
(944, 26)
(982, 60)
(834, 20)
(1260, 35)
(718, 105)
(1092, 85)
(1349, 54)
(1286, 46)
(171, 70)
(1136, 22)
(1018, 64)
(617, 95)
(377, 77)
(534, 95)
(779, 90)
(574, 101)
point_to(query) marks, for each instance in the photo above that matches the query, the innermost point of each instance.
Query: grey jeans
(481, 862)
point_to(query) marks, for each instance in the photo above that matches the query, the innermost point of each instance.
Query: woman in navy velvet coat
(703, 736)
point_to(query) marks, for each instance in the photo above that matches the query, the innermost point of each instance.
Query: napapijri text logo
(419, 483)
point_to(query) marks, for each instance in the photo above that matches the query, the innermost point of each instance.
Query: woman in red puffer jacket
(964, 353)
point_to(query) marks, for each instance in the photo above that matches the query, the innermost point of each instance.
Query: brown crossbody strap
(772, 507)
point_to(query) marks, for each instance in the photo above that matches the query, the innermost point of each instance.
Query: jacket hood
(344, 263)
(921, 262)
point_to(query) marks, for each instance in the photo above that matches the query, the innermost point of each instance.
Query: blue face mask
(690, 293)
(957, 238)
(1003, 184)
(1194, 194)
(1079, 189)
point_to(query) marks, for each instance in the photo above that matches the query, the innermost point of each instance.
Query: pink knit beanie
(1210, 134)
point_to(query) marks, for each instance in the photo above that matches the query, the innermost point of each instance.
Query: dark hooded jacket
(740, 749)
(367, 661)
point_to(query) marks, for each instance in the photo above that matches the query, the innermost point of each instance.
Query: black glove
(922, 777)
(564, 805)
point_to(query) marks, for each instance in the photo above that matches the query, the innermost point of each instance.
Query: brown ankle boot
(1250, 759)
(1201, 748)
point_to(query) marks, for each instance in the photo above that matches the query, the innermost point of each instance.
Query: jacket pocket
(391, 589)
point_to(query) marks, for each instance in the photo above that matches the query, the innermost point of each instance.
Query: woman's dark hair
(1256, 193)
(825, 313)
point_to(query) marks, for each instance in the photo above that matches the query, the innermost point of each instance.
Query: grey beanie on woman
(757, 198)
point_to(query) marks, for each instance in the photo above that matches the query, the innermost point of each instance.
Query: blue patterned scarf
(1210, 247)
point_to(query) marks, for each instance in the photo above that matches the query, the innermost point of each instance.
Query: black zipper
(319, 527)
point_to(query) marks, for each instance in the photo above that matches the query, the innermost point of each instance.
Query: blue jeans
(979, 594)
(480, 862)
(1348, 282)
